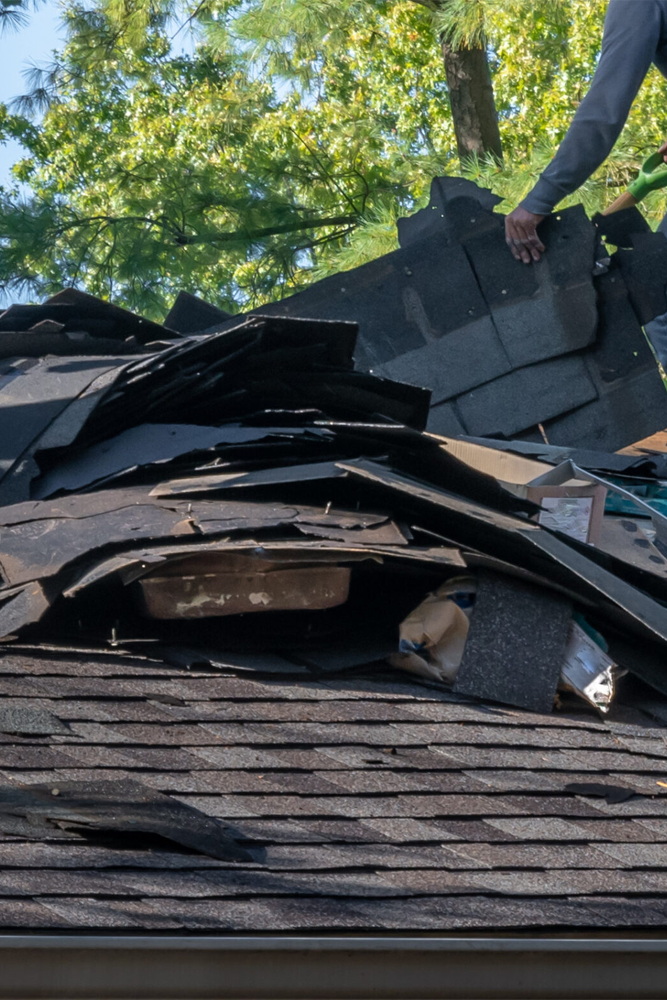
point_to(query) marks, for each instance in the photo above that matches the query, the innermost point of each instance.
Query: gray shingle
(476, 830)
(551, 760)
(636, 807)
(299, 782)
(495, 715)
(37, 757)
(112, 914)
(159, 734)
(305, 830)
(653, 747)
(658, 827)
(616, 417)
(310, 711)
(540, 856)
(29, 915)
(360, 757)
(456, 734)
(621, 830)
(299, 858)
(47, 882)
(131, 758)
(384, 781)
(237, 758)
(453, 364)
(21, 855)
(539, 805)
(470, 912)
(566, 883)
(545, 780)
(172, 884)
(406, 830)
(637, 855)
(624, 912)
(432, 881)
(526, 397)
(315, 733)
(537, 828)
(264, 914)
(356, 884)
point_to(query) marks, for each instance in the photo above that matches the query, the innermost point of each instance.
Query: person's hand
(663, 150)
(521, 235)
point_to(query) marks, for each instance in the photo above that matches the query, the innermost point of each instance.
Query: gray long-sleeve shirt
(635, 35)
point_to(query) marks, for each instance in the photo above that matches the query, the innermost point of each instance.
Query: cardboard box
(572, 505)
(569, 504)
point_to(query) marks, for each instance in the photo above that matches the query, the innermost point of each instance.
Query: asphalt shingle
(365, 804)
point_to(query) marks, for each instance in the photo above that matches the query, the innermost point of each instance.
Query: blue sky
(18, 50)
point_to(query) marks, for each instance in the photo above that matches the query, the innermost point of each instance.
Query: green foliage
(222, 171)
(14, 14)
(282, 144)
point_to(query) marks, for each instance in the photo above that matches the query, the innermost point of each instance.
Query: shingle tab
(527, 396)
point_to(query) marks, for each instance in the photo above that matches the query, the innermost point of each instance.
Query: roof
(366, 804)
(175, 763)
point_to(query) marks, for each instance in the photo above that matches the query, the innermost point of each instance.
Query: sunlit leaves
(240, 148)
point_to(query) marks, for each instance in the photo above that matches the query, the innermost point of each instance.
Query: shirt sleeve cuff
(541, 200)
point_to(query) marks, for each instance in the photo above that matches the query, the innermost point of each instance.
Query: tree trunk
(472, 102)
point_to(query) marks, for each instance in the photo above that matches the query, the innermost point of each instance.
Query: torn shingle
(124, 807)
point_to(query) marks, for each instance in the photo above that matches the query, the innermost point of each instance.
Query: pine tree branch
(191, 17)
(252, 236)
(182, 239)
(112, 220)
(429, 4)
(324, 170)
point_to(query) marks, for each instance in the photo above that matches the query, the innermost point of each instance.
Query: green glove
(653, 175)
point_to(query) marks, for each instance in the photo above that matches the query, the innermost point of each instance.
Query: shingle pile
(291, 462)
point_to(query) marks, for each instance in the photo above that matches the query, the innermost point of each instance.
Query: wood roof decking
(368, 805)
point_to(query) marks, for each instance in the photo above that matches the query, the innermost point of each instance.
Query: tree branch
(260, 234)
(238, 236)
(429, 4)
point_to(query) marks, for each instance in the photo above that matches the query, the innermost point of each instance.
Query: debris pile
(237, 492)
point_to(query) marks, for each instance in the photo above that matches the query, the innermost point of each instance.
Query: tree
(471, 98)
(13, 14)
(472, 102)
(213, 171)
(282, 145)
